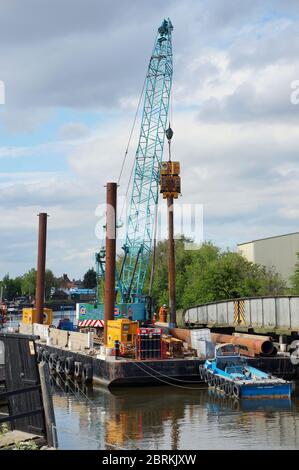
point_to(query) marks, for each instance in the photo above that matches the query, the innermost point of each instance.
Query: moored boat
(230, 373)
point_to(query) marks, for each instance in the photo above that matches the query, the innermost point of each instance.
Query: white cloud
(100, 158)
(236, 132)
(73, 131)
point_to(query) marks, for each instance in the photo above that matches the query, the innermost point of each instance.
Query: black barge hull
(167, 371)
(148, 372)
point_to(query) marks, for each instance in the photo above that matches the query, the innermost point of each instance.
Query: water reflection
(170, 418)
(217, 401)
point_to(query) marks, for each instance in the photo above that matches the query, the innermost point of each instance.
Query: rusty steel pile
(249, 345)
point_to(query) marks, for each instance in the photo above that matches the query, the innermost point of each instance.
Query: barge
(113, 372)
(129, 372)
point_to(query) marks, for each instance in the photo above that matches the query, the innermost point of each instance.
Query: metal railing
(279, 312)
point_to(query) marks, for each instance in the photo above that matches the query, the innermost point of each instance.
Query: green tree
(229, 276)
(90, 279)
(271, 283)
(11, 287)
(208, 274)
(50, 282)
(183, 259)
(28, 282)
(295, 278)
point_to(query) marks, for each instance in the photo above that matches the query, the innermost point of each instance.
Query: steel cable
(90, 403)
(131, 132)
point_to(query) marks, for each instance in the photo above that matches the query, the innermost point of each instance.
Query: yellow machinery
(170, 181)
(30, 316)
(122, 330)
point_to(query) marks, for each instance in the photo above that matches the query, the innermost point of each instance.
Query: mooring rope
(90, 403)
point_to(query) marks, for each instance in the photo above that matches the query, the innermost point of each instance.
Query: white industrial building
(279, 252)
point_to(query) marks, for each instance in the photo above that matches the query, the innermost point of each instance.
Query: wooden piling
(48, 404)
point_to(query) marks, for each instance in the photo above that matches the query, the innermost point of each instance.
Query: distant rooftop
(268, 238)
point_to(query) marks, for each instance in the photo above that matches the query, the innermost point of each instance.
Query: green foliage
(25, 445)
(3, 429)
(208, 274)
(26, 284)
(11, 287)
(90, 279)
(295, 278)
(50, 281)
(28, 281)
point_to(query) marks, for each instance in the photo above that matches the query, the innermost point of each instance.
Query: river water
(165, 417)
(170, 417)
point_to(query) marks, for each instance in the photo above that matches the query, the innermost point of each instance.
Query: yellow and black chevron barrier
(239, 312)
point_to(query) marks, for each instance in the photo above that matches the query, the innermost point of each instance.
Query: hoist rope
(127, 150)
(131, 132)
(128, 146)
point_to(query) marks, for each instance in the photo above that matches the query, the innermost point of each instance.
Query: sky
(73, 72)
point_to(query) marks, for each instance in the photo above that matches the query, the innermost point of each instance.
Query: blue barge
(230, 373)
